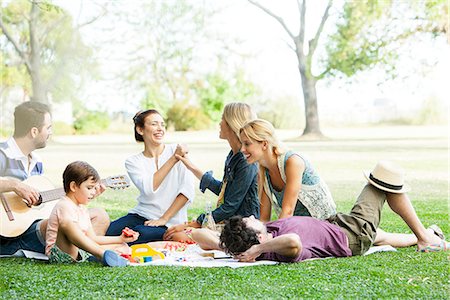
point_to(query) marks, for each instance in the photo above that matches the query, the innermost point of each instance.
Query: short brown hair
(27, 115)
(78, 172)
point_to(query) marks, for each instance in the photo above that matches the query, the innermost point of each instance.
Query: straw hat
(387, 177)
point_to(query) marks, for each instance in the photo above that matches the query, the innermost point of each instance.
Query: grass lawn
(340, 161)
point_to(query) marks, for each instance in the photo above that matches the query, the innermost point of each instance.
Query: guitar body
(24, 216)
(16, 216)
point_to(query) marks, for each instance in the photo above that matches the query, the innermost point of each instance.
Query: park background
(101, 61)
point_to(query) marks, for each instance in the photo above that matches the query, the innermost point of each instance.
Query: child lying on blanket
(298, 238)
(70, 237)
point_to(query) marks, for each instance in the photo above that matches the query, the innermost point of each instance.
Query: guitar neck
(57, 193)
(52, 194)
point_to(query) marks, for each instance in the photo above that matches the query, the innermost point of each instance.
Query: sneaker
(112, 259)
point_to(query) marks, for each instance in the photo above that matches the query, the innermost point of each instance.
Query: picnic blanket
(183, 255)
(192, 256)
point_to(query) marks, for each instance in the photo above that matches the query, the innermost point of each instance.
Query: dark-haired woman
(165, 185)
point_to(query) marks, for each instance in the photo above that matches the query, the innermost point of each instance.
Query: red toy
(127, 232)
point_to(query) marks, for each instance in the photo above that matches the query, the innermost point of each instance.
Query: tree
(177, 59)
(218, 89)
(162, 61)
(38, 40)
(367, 33)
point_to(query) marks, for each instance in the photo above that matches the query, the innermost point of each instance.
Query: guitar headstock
(117, 182)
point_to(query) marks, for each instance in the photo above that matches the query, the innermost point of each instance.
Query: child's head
(78, 172)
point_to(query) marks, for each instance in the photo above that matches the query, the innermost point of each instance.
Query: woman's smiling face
(252, 150)
(154, 129)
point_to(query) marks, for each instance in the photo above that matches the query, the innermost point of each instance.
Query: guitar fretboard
(52, 194)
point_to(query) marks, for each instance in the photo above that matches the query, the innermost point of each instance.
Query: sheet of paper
(27, 254)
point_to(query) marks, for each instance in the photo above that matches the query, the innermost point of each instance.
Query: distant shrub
(91, 122)
(182, 116)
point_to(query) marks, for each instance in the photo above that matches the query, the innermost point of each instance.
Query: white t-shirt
(65, 209)
(152, 204)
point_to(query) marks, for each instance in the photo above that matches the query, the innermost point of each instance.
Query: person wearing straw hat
(298, 238)
(389, 177)
(289, 184)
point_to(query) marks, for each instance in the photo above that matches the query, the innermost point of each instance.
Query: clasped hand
(181, 150)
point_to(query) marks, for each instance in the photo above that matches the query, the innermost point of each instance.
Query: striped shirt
(13, 163)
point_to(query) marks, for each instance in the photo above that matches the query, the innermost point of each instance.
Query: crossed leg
(401, 205)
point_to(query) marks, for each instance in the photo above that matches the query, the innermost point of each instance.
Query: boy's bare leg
(99, 219)
(71, 238)
(119, 248)
(206, 238)
(402, 206)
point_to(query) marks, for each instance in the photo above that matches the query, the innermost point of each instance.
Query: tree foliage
(368, 33)
(42, 50)
(178, 63)
(163, 58)
(216, 90)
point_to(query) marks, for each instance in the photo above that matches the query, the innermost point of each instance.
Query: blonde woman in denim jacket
(237, 192)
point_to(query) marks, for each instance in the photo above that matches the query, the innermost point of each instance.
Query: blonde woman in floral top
(287, 180)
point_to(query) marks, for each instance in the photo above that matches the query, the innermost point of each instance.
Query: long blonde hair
(260, 130)
(237, 114)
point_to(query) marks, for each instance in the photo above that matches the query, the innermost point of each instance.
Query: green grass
(401, 274)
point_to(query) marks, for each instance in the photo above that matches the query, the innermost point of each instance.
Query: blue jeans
(136, 222)
(31, 240)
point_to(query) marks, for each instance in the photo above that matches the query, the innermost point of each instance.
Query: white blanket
(193, 257)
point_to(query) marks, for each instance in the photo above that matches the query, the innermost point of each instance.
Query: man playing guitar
(32, 128)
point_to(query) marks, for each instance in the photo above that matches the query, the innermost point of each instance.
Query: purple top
(318, 238)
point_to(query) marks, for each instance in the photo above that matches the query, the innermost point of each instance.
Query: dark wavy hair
(78, 171)
(236, 237)
(139, 121)
(27, 115)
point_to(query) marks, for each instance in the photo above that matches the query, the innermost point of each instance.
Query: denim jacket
(241, 191)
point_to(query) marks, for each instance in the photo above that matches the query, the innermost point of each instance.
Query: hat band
(384, 184)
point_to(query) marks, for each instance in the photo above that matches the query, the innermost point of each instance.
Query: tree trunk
(312, 126)
(39, 90)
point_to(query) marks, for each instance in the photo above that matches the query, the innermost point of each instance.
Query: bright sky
(275, 66)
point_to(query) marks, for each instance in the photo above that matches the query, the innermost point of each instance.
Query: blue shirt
(241, 191)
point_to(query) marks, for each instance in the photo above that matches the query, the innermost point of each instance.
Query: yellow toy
(143, 250)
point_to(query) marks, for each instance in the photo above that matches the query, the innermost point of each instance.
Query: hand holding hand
(186, 161)
(182, 150)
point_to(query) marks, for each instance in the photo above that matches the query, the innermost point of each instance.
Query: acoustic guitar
(16, 216)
